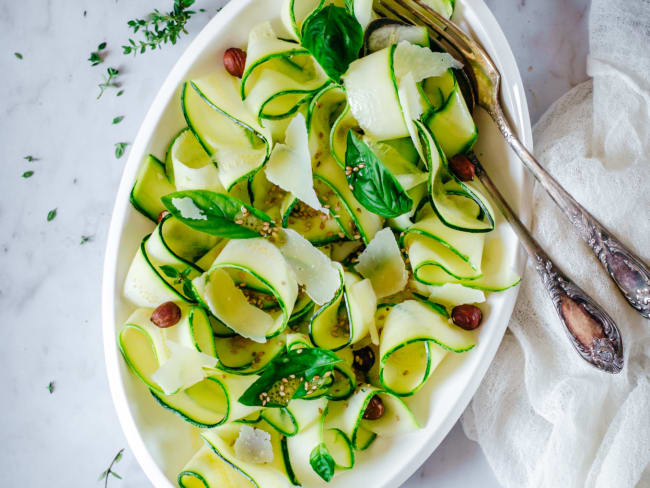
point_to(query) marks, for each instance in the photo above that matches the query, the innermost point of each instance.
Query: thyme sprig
(109, 81)
(109, 470)
(158, 28)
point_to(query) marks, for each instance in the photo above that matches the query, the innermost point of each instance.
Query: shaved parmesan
(290, 165)
(422, 62)
(253, 445)
(452, 294)
(312, 268)
(229, 304)
(183, 369)
(381, 262)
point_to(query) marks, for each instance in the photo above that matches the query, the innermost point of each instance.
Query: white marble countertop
(50, 283)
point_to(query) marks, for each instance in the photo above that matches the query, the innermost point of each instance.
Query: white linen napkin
(543, 416)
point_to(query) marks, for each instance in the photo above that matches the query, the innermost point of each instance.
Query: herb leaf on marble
(119, 149)
(51, 215)
(18, 55)
(105, 475)
(109, 81)
(28, 174)
(158, 28)
(96, 56)
(30, 158)
(118, 119)
(50, 387)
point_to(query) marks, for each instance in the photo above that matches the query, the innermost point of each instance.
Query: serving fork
(592, 332)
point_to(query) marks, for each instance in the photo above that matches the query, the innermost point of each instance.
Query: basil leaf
(216, 213)
(372, 183)
(169, 271)
(287, 374)
(322, 462)
(334, 37)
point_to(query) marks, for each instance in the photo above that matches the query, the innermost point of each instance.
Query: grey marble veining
(50, 282)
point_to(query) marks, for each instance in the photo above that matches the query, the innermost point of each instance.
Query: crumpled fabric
(543, 416)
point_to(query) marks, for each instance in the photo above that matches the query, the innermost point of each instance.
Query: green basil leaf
(372, 183)
(216, 213)
(284, 377)
(169, 271)
(322, 462)
(334, 37)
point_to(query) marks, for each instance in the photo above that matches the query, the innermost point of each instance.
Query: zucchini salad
(320, 247)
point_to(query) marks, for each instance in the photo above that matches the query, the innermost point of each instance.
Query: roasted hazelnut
(234, 60)
(467, 317)
(364, 358)
(375, 409)
(166, 315)
(162, 215)
(462, 167)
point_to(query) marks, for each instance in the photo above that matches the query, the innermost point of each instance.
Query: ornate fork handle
(590, 329)
(626, 269)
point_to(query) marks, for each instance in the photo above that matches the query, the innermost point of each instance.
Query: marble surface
(50, 282)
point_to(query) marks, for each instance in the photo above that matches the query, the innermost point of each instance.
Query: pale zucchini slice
(295, 12)
(347, 318)
(354, 217)
(440, 254)
(192, 330)
(239, 355)
(413, 320)
(414, 340)
(383, 32)
(144, 286)
(264, 48)
(142, 345)
(262, 264)
(348, 416)
(450, 119)
(286, 84)
(371, 90)
(268, 475)
(225, 127)
(297, 416)
(339, 447)
(189, 166)
(176, 271)
(210, 402)
(150, 185)
(207, 470)
(184, 242)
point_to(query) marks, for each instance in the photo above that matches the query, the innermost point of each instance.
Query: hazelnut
(166, 315)
(364, 358)
(467, 317)
(162, 215)
(462, 167)
(234, 60)
(375, 409)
